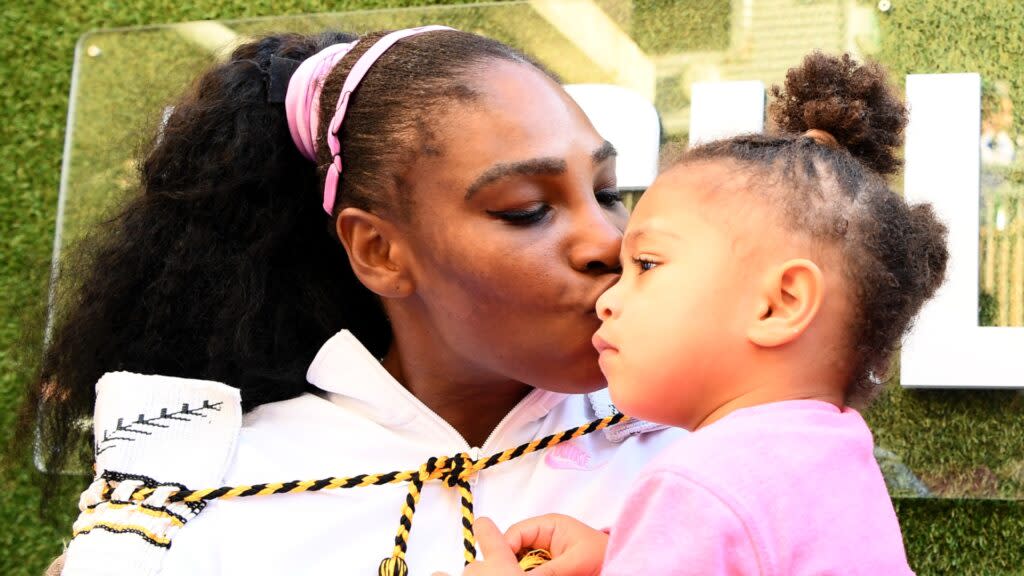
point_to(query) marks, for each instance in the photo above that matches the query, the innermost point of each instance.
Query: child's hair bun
(852, 102)
(929, 253)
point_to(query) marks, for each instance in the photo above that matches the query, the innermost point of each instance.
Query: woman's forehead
(519, 114)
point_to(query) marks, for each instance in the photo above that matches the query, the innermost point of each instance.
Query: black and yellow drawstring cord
(455, 471)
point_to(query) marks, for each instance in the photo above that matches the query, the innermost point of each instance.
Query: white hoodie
(364, 422)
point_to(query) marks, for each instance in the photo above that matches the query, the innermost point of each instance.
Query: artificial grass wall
(37, 42)
(930, 36)
(945, 536)
(36, 46)
(933, 36)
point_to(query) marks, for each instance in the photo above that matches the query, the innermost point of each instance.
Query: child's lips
(602, 345)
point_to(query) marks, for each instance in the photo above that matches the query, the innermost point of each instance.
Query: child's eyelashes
(645, 263)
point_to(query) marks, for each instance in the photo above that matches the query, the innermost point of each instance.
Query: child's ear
(788, 302)
(376, 252)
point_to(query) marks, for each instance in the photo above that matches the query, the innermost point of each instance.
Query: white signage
(725, 109)
(947, 348)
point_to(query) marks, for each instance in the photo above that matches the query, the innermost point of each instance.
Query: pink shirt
(790, 488)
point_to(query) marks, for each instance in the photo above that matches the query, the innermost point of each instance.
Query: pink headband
(302, 102)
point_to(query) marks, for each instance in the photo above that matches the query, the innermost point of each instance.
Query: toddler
(767, 281)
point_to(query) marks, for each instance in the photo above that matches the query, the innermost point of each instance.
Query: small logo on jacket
(570, 456)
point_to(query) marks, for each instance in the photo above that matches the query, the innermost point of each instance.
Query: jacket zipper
(475, 452)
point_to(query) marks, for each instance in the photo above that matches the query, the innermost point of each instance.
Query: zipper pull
(475, 454)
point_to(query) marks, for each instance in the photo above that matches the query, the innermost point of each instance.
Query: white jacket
(364, 422)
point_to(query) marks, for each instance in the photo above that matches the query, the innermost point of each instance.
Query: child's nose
(605, 304)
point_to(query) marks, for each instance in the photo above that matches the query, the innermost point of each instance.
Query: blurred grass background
(942, 433)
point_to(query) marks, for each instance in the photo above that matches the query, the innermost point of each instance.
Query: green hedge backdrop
(37, 41)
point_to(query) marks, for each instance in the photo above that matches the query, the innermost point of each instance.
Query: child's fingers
(577, 549)
(492, 544)
(532, 533)
(574, 562)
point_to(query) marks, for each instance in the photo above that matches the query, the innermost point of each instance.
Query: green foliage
(963, 537)
(36, 56)
(988, 308)
(959, 443)
(682, 26)
(933, 36)
(963, 443)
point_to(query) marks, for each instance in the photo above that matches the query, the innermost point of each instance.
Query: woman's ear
(376, 252)
(789, 300)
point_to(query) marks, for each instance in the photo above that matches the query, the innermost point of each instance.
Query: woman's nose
(596, 249)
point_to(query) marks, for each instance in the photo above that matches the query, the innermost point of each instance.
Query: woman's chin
(572, 369)
(584, 381)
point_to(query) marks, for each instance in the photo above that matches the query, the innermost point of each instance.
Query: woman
(474, 222)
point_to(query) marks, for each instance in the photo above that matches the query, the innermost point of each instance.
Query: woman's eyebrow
(534, 167)
(603, 153)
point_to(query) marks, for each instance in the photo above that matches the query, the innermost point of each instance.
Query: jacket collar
(355, 379)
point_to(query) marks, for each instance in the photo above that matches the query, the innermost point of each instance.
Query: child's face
(677, 315)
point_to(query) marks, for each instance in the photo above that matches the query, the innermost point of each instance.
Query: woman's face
(515, 233)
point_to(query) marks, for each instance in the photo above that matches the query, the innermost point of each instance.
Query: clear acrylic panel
(931, 443)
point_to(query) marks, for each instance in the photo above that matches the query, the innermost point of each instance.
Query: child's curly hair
(837, 125)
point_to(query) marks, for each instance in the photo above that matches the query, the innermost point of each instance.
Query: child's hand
(576, 549)
(499, 559)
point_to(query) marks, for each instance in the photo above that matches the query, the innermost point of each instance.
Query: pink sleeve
(672, 525)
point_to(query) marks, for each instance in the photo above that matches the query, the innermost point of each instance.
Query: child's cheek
(625, 376)
(625, 397)
(640, 393)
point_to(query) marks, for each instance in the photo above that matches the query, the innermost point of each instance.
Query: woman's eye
(522, 217)
(608, 196)
(645, 264)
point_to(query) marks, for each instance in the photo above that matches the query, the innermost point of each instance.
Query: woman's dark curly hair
(225, 267)
(895, 254)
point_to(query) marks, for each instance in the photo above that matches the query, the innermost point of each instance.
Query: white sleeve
(159, 432)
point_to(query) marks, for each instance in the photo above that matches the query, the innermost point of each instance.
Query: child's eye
(608, 196)
(644, 263)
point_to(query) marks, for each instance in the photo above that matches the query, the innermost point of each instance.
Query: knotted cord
(454, 471)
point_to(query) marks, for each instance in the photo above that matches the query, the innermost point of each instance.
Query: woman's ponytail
(223, 267)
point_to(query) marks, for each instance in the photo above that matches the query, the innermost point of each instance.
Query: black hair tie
(281, 70)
